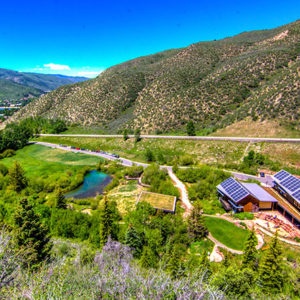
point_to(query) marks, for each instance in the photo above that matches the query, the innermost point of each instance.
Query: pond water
(93, 184)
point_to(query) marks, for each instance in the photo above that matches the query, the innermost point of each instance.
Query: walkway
(183, 192)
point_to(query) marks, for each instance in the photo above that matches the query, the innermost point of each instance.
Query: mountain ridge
(15, 85)
(214, 84)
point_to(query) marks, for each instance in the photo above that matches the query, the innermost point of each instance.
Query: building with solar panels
(288, 186)
(247, 197)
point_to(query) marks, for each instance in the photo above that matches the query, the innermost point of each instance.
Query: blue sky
(77, 37)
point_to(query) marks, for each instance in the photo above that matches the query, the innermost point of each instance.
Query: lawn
(41, 162)
(227, 233)
(159, 201)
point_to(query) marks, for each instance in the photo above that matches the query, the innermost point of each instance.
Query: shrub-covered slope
(214, 84)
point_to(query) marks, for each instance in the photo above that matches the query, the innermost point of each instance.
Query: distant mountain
(214, 84)
(15, 85)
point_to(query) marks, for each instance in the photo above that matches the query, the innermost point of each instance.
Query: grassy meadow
(53, 167)
(184, 152)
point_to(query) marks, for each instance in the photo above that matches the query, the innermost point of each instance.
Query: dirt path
(183, 192)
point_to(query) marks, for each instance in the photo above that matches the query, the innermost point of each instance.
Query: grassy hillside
(18, 85)
(188, 152)
(215, 84)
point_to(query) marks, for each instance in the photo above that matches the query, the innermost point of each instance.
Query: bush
(3, 169)
(7, 153)
(244, 216)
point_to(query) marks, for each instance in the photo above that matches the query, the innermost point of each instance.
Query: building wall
(250, 203)
(265, 205)
(248, 207)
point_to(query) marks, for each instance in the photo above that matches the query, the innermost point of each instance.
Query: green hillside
(15, 85)
(214, 84)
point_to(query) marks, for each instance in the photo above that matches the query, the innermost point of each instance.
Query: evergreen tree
(175, 265)
(190, 128)
(60, 199)
(108, 222)
(17, 179)
(148, 258)
(250, 252)
(31, 236)
(196, 227)
(134, 240)
(271, 270)
(205, 265)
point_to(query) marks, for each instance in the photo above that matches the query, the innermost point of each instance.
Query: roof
(289, 183)
(233, 189)
(159, 201)
(259, 193)
(237, 191)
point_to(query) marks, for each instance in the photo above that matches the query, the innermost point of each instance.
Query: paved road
(125, 162)
(200, 138)
(267, 180)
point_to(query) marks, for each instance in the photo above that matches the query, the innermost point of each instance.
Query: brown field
(159, 201)
(251, 128)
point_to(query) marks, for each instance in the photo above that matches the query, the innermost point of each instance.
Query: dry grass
(125, 196)
(159, 201)
(249, 128)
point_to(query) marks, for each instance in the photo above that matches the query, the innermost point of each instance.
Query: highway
(195, 138)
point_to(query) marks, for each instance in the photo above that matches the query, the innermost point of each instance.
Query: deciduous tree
(134, 240)
(190, 128)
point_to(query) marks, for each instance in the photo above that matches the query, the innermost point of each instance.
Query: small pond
(93, 184)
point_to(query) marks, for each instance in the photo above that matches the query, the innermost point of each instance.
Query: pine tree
(134, 241)
(31, 236)
(148, 258)
(205, 266)
(60, 199)
(108, 222)
(17, 179)
(271, 271)
(176, 266)
(250, 252)
(196, 227)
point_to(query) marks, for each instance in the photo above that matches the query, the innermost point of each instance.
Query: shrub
(7, 153)
(3, 169)
(244, 216)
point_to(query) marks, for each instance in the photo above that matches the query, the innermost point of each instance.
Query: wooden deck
(284, 203)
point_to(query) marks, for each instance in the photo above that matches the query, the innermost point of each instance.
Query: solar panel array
(290, 183)
(296, 195)
(235, 190)
(281, 175)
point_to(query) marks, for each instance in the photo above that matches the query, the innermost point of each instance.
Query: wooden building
(288, 186)
(247, 197)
